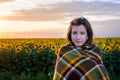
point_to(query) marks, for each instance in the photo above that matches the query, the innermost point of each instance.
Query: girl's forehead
(78, 27)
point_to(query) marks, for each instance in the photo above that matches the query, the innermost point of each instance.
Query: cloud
(66, 10)
(107, 28)
(53, 33)
(4, 1)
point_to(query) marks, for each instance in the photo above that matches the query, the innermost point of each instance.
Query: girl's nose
(78, 37)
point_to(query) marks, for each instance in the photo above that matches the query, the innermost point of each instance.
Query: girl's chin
(78, 45)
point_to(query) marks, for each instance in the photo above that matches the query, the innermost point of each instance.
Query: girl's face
(79, 35)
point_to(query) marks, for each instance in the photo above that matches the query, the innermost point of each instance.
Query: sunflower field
(34, 59)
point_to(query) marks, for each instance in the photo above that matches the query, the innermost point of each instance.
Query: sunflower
(18, 49)
(108, 49)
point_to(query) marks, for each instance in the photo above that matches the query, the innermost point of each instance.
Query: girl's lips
(78, 41)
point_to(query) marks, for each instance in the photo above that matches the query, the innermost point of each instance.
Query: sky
(51, 18)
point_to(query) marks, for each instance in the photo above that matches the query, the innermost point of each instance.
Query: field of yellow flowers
(28, 59)
(106, 44)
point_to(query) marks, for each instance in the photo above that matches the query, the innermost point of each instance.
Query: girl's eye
(82, 32)
(74, 32)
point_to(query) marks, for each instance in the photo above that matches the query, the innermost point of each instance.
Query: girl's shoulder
(93, 48)
(65, 48)
(96, 49)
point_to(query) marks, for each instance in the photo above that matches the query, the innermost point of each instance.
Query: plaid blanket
(77, 64)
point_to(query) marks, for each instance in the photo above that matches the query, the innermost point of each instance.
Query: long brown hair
(81, 21)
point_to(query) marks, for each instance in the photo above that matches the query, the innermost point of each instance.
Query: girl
(80, 59)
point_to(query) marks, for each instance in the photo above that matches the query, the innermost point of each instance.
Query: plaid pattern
(75, 64)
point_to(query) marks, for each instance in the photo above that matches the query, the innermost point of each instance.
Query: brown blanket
(77, 64)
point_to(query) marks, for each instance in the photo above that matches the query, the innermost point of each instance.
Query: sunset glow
(49, 18)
